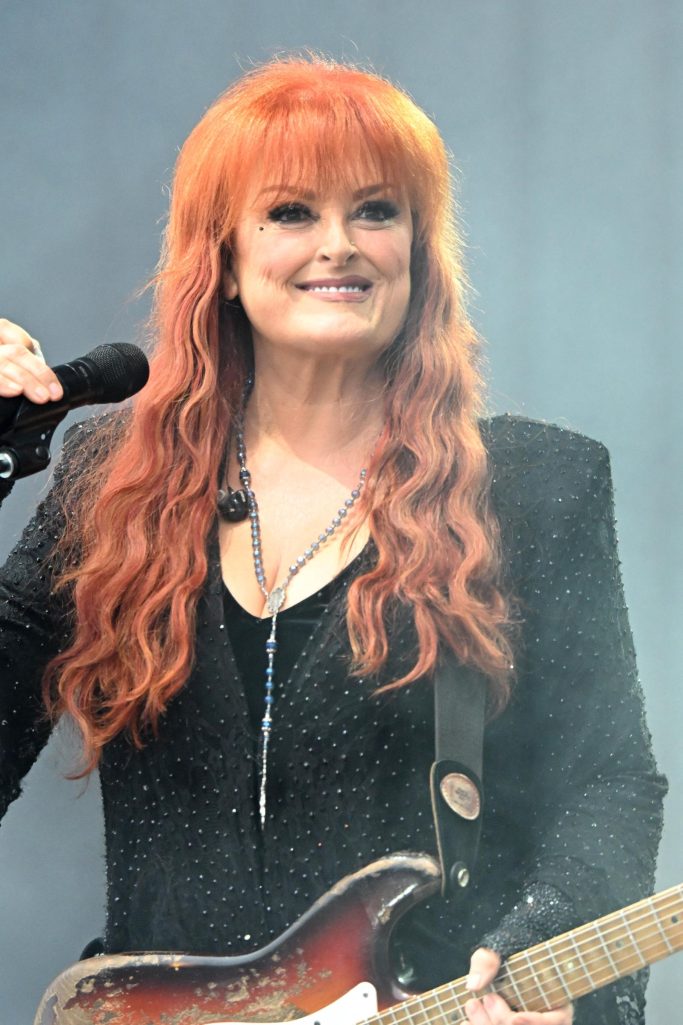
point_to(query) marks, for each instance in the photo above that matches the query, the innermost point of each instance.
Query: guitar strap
(456, 775)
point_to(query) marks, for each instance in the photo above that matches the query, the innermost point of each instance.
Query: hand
(492, 1009)
(23, 371)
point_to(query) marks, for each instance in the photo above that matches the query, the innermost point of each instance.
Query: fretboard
(566, 967)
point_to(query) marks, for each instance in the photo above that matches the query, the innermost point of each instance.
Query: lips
(352, 284)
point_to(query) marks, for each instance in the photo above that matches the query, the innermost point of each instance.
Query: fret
(627, 929)
(506, 982)
(605, 946)
(447, 1002)
(560, 973)
(454, 1011)
(457, 997)
(429, 1005)
(668, 909)
(534, 975)
(662, 931)
(577, 949)
(390, 1015)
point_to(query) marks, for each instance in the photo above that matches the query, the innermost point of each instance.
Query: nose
(336, 244)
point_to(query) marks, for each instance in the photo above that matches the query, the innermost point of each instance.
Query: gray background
(565, 123)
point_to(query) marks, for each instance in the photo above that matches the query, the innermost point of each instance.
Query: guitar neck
(566, 967)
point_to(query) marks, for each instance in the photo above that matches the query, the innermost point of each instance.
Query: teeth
(335, 288)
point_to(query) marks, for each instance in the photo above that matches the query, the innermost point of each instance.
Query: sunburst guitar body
(333, 967)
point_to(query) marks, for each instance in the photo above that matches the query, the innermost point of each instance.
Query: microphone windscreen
(122, 370)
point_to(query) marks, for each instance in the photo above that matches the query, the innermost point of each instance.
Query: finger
(13, 334)
(21, 371)
(561, 1016)
(476, 1013)
(484, 966)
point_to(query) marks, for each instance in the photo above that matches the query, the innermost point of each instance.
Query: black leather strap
(456, 775)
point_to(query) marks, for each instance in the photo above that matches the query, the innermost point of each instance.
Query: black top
(573, 801)
(248, 635)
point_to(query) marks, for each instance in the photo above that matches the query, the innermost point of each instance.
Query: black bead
(232, 505)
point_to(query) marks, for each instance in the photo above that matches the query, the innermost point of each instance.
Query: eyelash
(381, 210)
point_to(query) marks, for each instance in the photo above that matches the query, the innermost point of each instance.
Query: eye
(378, 210)
(289, 213)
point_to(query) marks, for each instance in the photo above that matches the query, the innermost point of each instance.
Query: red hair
(143, 519)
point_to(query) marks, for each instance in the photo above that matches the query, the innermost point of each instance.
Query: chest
(293, 516)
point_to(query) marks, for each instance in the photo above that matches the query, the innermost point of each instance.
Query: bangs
(321, 128)
(320, 155)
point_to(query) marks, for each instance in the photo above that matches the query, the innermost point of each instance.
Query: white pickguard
(356, 1005)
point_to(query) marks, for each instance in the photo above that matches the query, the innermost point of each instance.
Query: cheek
(276, 263)
(393, 257)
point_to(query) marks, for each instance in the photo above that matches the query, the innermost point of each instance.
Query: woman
(254, 684)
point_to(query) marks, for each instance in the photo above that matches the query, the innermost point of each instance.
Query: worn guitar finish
(341, 941)
(339, 951)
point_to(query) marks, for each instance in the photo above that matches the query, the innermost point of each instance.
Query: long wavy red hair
(143, 517)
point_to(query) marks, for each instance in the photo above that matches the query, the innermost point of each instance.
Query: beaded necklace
(276, 597)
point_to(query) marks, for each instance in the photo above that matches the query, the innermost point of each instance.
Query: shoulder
(97, 435)
(518, 441)
(521, 450)
(542, 470)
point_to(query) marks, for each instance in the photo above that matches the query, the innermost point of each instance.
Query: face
(324, 275)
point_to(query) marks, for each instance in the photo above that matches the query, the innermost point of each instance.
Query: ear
(230, 287)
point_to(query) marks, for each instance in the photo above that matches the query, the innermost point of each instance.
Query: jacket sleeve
(34, 626)
(595, 797)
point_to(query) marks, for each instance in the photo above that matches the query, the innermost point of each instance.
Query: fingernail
(42, 393)
(473, 980)
(55, 391)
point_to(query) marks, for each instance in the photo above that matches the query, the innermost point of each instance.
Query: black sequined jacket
(573, 800)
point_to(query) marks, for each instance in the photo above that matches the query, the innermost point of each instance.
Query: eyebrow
(367, 190)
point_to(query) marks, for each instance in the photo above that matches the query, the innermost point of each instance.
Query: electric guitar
(332, 967)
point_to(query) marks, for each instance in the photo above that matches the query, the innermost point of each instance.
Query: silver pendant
(276, 600)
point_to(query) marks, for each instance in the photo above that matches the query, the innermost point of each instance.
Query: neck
(312, 409)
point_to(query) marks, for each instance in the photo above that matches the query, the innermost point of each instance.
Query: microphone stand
(25, 448)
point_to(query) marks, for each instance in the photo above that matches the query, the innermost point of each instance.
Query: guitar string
(454, 999)
(522, 974)
(584, 951)
(447, 998)
(456, 1002)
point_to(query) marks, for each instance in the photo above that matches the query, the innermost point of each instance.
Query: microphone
(109, 373)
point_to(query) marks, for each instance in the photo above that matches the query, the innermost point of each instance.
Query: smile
(334, 288)
(350, 289)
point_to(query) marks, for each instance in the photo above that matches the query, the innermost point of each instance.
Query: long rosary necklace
(276, 597)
